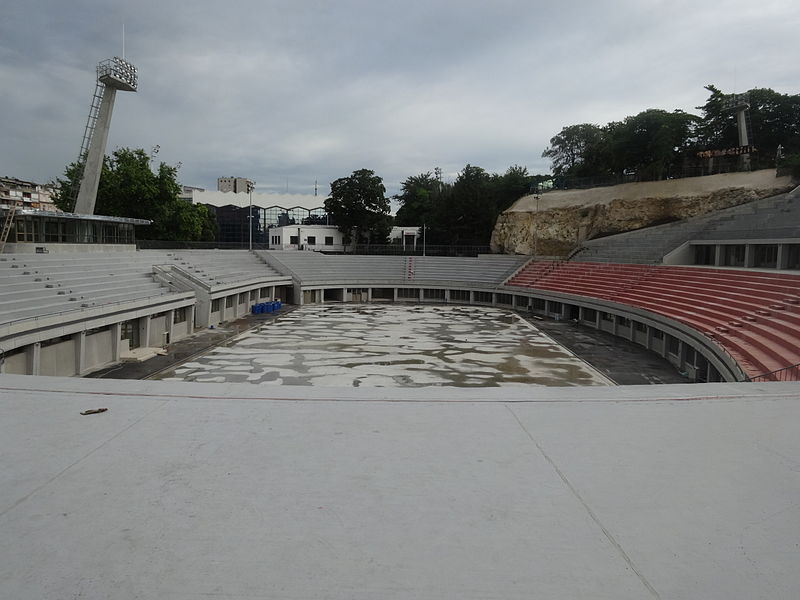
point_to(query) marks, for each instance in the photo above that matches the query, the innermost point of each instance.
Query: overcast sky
(289, 92)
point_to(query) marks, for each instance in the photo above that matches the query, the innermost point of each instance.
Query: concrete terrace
(238, 491)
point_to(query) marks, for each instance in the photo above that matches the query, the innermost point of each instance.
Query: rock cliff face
(564, 219)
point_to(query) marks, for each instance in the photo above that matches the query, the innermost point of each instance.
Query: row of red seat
(754, 315)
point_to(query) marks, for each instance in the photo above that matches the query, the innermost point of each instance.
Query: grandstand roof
(232, 491)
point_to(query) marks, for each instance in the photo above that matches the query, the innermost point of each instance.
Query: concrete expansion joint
(573, 490)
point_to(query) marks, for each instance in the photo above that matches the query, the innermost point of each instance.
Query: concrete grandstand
(68, 313)
(179, 490)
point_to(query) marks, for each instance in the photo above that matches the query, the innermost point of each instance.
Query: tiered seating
(217, 267)
(309, 267)
(774, 217)
(485, 269)
(33, 285)
(755, 316)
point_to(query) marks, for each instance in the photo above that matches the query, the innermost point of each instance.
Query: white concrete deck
(238, 491)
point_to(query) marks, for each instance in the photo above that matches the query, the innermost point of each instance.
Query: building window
(265, 292)
(180, 315)
(766, 256)
(312, 240)
(459, 295)
(433, 294)
(504, 299)
(483, 297)
(229, 301)
(129, 330)
(294, 240)
(672, 345)
(329, 240)
(215, 305)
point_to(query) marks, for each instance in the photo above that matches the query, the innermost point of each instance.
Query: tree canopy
(359, 207)
(656, 144)
(463, 212)
(129, 188)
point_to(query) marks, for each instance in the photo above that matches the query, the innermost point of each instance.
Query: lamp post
(250, 186)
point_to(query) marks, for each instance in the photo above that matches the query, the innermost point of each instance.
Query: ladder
(9, 220)
(88, 132)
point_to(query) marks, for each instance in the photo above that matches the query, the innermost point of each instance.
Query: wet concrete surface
(200, 342)
(619, 360)
(374, 345)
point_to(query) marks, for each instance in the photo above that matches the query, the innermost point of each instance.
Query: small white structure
(306, 237)
(408, 237)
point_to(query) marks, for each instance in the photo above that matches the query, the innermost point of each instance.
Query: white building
(233, 184)
(408, 237)
(306, 237)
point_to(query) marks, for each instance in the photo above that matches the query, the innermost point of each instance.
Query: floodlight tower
(112, 75)
(741, 104)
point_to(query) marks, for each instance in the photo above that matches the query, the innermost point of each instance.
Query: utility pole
(250, 186)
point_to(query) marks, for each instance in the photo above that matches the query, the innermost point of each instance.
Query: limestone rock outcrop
(557, 221)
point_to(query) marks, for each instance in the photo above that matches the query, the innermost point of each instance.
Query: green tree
(510, 187)
(650, 144)
(577, 150)
(359, 207)
(129, 188)
(418, 197)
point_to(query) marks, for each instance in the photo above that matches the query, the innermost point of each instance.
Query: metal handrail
(776, 374)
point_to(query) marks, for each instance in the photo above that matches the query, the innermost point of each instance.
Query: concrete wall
(58, 359)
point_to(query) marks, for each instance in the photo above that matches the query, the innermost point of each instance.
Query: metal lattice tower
(112, 75)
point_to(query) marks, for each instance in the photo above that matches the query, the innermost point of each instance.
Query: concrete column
(783, 256)
(719, 255)
(144, 331)
(369, 294)
(446, 295)
(190, 320)
(116, 338)
(222, 302)
(749, 256)
(170, 324)
(471, 297)
(34, 358)
(80, 352)
(649, 344)
(395, 295)
(87, 195)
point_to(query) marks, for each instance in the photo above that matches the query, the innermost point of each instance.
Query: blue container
(254, 309)
(268, 307)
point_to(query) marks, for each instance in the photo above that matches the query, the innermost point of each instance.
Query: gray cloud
(284, 91)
